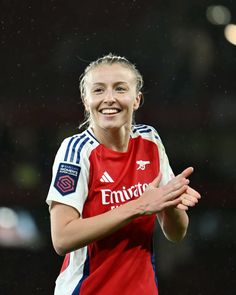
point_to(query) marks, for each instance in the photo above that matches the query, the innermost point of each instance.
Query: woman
(109, 184)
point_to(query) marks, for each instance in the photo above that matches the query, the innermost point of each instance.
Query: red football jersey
(95, 179)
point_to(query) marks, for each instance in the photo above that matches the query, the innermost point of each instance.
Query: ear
(137, 100)
(85, 102)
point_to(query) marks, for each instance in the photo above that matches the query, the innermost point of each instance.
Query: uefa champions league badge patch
(66, 178)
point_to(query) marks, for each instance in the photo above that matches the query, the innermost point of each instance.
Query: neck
(114, 139)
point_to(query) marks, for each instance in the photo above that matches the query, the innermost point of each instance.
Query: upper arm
(61, 215)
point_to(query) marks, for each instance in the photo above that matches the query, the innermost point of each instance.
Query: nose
(109, 97)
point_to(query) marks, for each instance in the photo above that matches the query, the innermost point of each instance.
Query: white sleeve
(166, 170)
(69, 183)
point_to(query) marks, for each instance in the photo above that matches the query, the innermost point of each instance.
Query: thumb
(156, 180)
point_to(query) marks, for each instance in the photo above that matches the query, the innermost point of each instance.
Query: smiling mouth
(109, 111)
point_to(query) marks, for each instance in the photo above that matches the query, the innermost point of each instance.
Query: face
(111, 96)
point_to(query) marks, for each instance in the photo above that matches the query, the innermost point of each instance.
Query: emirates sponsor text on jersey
(117, 198)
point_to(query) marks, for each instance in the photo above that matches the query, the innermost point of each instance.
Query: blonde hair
(108, 59)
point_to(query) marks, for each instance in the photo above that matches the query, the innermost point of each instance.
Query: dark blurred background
(186, 52)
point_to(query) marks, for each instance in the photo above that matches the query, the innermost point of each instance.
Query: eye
(121, 89)
(98, 90)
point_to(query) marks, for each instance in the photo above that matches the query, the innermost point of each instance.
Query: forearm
(174, 223)
(78, 232)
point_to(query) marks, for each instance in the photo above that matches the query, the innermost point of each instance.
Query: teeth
(109, 111)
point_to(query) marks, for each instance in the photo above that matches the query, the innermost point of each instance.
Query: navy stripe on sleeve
(76, 143)
(80, 149)
(92, 135)
(68, 147)
(142, 129)
(145, 130)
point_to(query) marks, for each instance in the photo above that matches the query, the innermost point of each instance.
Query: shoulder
(72, 147)
(146, 132)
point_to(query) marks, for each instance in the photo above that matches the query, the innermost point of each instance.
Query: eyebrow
(116, 83)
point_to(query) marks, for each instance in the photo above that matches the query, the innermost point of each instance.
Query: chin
(110, 126)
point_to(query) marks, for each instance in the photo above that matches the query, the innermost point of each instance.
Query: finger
(182, 207)
(172, 203)
(157, 180)
(175, 184)
(175, 193)
(187, 172)
(188, 200)
(193, 192)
